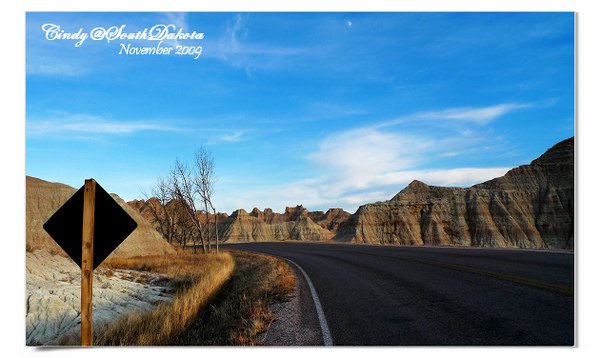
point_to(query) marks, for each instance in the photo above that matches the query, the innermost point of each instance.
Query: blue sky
(319, 109)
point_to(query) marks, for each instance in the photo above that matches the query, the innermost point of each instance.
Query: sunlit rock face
(294, 225)
(531, 206)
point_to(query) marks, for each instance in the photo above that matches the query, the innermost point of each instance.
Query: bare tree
(204, 181)
(177, 199)
(162, 209)
(183, 226)
(184, 189)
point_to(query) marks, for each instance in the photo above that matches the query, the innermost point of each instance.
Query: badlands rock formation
(532, 206)
(44, 198)
(294, 224)
(329, 220)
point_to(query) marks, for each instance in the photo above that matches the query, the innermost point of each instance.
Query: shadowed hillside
(44, 198)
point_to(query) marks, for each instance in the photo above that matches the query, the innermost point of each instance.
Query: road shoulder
(295, 321)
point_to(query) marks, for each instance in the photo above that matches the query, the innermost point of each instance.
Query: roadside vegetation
(220, 300)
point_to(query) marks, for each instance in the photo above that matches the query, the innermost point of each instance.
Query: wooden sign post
(87, 261)
(89, 227)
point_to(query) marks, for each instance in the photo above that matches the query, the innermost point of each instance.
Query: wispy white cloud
(482, 115)
(235, 48)
(81, 123)
(369, 160)
(59, 122)
(355, 156)
(478, 115)
(236, 136)
(47, 67)
(179, 19)
(319, 110)
(232, 32)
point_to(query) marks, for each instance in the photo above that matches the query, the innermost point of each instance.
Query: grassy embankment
(221, 300)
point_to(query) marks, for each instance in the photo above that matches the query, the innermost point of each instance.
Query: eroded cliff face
(532, 206)
(295, 223)
(292, 225)
(329, 220)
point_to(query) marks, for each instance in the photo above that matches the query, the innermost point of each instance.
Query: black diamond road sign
(112, 225)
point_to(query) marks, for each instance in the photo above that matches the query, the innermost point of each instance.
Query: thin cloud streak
(53, 69)
(91, 124)
(478, 115)
(233, 137)
(179, 19)
(240, 54)
(482, 115)
(74, 125)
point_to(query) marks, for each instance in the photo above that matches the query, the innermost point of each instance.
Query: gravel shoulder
(296, 322)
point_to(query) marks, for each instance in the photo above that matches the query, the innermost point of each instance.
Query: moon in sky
(349, 23)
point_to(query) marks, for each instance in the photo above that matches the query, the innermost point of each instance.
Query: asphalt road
(459, 296)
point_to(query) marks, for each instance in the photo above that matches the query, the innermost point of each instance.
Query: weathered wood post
(87, 261)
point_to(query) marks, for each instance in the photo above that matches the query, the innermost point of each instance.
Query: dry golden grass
(198, 278)
(221, 300)
(241, 312)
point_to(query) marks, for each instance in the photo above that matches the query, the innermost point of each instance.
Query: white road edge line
(320, 314)
(322, 321)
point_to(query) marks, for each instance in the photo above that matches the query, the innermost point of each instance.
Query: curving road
(410, 295)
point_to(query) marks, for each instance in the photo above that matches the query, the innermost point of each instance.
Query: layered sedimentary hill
(531, 206)
(292, 225)
(329, 220)
(295, 223)
(44, 198)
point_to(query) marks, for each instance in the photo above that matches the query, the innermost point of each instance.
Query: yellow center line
(522, 280)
